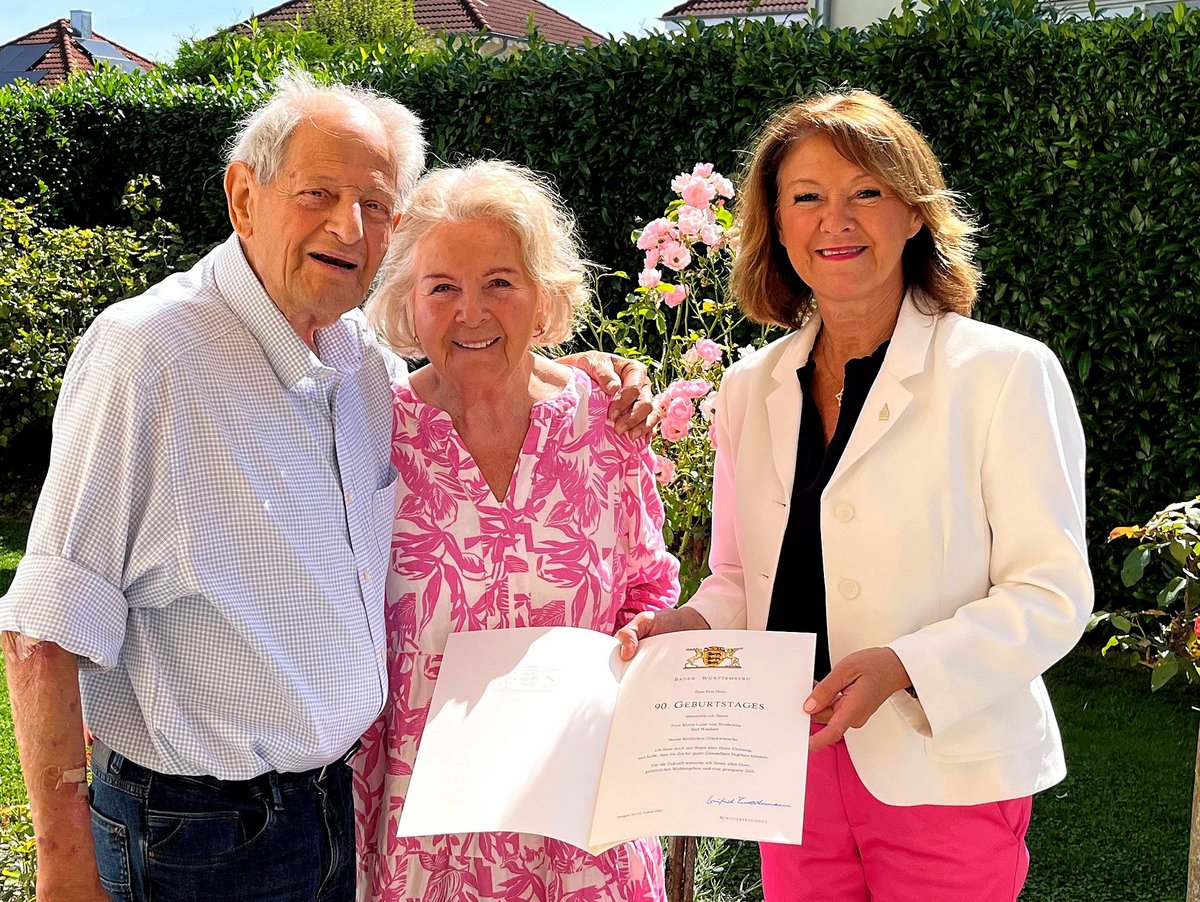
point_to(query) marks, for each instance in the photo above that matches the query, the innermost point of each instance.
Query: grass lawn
(12, 789)
(1116, 830)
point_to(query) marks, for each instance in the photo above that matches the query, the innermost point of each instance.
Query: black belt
(105, 760)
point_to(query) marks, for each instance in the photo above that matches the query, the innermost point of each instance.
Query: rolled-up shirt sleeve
(103, 519)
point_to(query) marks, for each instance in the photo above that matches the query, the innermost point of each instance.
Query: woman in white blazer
(908, 484)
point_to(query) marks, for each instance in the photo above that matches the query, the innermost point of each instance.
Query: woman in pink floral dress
(517, 504)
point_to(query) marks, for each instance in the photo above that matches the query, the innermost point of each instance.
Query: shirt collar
(290, 358)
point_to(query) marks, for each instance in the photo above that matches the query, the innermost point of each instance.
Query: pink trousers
(857, 849)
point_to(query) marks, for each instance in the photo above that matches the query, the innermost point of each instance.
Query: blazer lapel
(784, 402)
(888, 398)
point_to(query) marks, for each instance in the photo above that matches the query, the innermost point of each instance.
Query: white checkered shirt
(212, 538)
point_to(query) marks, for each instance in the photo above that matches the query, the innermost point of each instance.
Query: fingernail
(810, 706)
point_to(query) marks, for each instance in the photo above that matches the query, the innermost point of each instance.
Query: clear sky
(154, 27)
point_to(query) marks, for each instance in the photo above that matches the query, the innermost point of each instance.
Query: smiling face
(844, 229)
(475, 306)
(316, 234)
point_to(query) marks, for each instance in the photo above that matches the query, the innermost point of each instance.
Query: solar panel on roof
(9, 77)
(21, 57)
(102, 51)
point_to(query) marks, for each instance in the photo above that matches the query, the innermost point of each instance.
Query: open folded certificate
(545, 730)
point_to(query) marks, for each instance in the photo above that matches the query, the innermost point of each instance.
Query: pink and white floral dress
(577, 541)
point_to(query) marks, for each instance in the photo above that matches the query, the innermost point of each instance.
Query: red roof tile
(704, 8)
(65, 57)
(502, 17)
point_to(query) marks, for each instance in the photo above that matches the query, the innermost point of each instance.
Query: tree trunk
(1193, 891)
(681, 868)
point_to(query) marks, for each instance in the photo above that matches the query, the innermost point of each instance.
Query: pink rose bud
(649, 278)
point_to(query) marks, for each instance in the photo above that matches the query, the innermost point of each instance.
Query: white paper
(546, 731)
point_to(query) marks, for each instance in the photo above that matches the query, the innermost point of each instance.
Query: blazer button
(848, 589)
(844, 512)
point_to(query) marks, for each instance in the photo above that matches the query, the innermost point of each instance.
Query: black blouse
(798, 598)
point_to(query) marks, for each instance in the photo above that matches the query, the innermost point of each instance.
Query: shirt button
(844, 512)
(349, 497)
(366, 576)
(848, 589)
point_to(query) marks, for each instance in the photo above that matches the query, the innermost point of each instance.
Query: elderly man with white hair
(203, 583)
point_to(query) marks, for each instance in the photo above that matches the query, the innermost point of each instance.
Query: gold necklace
(823, 360)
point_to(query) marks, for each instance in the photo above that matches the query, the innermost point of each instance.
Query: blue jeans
(276, 837)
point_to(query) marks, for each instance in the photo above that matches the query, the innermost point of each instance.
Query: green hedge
(1077, 141)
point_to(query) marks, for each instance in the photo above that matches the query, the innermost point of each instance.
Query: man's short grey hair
(262, 137)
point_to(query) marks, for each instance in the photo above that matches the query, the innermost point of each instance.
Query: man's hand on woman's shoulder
(632, 408)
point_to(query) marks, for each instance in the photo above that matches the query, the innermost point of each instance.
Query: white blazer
(952, 532)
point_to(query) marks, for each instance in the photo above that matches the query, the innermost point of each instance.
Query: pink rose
(688, 388)
(708, 350)
(1196, 627)
(664, 469)
(674, 432)
(711, 234)
(703, 170)
(708, 406)
(649, 278)
(697, 193)
(692, 220)
(723, 186)
(652, 257)
(679, 410)
(680, 182)
(675, 255)
(674, 296)
(690, 357)
(655, 231)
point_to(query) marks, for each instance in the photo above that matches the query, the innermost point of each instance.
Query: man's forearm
(43, 686)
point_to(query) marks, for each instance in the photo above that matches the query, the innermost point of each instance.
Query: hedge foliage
(1076, 141)
(53, 282)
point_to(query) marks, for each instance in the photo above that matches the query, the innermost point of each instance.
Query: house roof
(502, 17)
(61, 52)
(705, 8)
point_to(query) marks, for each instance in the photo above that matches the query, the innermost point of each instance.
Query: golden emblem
(713, 656)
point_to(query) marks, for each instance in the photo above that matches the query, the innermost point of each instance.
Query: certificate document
(545, 730)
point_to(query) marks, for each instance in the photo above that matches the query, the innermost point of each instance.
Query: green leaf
(1171, 592)
(1163, 672)
(1135, 565)
(1120, 623)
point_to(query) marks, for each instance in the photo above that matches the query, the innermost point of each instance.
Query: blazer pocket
(1004, 729)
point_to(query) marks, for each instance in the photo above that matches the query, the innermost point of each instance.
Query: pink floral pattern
(577, 541)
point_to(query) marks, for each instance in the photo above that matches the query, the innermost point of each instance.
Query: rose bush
(681, 323)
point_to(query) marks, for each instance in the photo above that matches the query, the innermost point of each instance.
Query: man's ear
(239, 197)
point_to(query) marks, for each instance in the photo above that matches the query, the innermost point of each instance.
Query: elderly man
(207, 559)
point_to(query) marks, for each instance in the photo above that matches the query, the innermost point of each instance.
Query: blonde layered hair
(491, 191)
(868, 131)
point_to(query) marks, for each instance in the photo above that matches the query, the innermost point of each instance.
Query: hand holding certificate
(547, 731)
